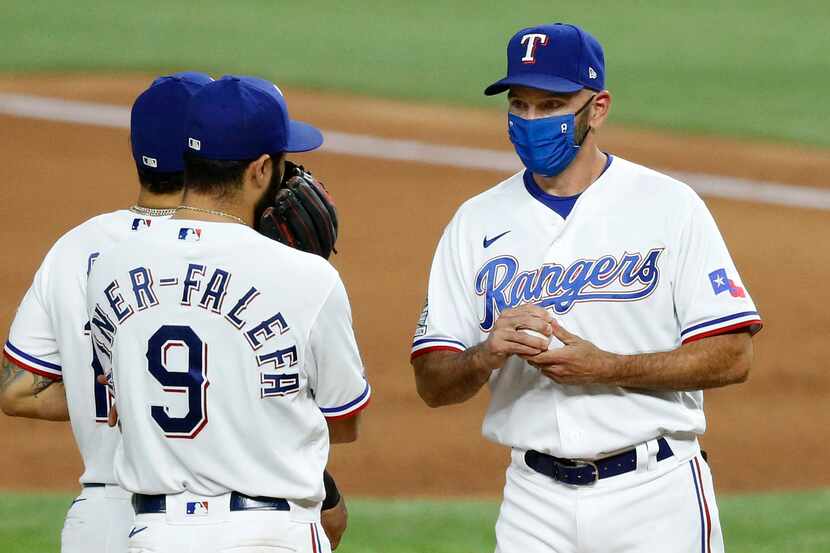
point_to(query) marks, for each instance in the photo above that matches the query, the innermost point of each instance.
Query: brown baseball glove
(303, 215)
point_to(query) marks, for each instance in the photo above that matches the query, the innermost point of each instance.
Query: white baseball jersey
(49, 335)
(227, 351)
(637, 266)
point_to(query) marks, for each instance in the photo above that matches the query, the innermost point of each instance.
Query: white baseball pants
(98, 521)
(219, 530)
(665, 506)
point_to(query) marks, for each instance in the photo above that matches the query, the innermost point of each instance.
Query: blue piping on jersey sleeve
(717, 321)
(561, 205)
(331, 411)
(32, 358)
(433, 340)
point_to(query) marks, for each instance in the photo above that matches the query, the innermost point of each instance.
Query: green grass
(754, 68)
(759, 523)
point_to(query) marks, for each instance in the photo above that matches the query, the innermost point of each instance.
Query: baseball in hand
(553, 341)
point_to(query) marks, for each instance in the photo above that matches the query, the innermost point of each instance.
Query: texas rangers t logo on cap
(530, 39)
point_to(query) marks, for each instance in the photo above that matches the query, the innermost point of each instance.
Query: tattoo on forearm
(9, 374)
(40, 384)
(12, 372)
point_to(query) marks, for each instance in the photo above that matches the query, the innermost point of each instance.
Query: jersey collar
(561, 205)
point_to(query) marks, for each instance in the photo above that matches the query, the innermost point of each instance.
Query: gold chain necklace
(213, 212)
(152, 211)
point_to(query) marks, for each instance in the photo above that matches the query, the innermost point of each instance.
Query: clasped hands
(577, 362)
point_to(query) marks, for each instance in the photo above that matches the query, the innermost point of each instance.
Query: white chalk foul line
(108, 115)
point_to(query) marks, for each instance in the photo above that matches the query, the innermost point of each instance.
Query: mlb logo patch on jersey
(197, 508)
(188, 233)
(138, 223)
(722, 283)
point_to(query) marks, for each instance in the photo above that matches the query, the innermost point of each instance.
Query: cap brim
(302, 137)
(542, 82)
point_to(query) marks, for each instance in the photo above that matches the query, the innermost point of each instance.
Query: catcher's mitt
(303, 215)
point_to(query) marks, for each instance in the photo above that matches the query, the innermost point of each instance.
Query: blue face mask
(546, 146)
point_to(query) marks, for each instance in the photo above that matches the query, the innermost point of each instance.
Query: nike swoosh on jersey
(487, 243)
(135, 530)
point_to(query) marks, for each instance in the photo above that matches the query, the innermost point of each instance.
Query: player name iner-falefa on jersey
(189, 281)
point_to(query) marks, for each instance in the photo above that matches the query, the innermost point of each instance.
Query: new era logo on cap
(194, 144)
(592, 74)
(149, 161)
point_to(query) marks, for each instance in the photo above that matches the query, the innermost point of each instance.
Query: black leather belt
(150, 504)
(93, 485)
(583, 473)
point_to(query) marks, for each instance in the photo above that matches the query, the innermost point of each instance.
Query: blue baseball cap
(557, 58)
(236, 118)
(157, 121)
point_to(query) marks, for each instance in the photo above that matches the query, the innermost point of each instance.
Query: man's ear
(602, 105)
(259, 171)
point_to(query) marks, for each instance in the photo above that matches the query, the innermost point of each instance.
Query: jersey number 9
(193, 382)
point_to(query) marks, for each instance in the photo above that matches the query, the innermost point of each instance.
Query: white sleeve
(32, 344)
(448, 320)
(335, 371)
(709, 295)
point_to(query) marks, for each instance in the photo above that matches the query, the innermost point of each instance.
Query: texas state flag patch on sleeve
(722, 283)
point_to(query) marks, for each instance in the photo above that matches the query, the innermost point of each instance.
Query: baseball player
(597, 298)
(46, 370)
(231, 357)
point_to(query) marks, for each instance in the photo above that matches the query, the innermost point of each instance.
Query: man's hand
(577, 362)
(507, 338)
(112, 417)
(334, 522)
(446, 377)
(707, 363)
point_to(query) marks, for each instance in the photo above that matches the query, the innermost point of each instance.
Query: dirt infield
(769, 433)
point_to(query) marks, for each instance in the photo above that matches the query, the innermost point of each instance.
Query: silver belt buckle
(594, 466)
